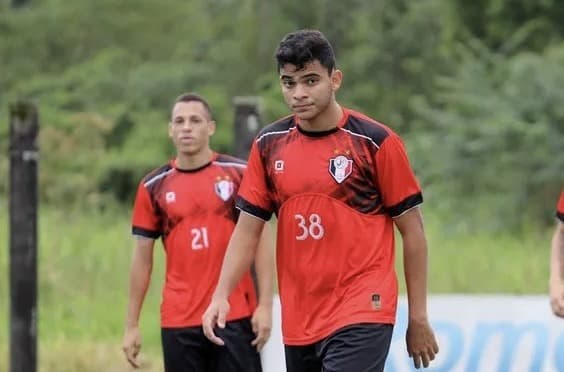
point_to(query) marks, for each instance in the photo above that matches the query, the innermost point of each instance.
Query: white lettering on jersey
(314, 230)
(199, 238)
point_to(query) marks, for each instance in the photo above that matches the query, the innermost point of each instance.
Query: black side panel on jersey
(222, 158)
(233, 161)
(153, 175)
(371, 129)
(281, 125)
(266, 143)
(153, 181)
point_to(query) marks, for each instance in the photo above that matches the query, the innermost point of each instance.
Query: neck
(194, 161)
(326, 120)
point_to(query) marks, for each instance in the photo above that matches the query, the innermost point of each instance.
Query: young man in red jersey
(190, 204)
(338, 182)
(557, 262)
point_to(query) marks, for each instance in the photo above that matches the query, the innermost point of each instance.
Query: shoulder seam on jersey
(360, 135)
(275, 132)
(229, 163)
(157, 177)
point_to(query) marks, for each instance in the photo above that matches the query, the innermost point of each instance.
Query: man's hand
(421, 343)
(215, 315)
(557, 297)
(132, 345)
(262, 325)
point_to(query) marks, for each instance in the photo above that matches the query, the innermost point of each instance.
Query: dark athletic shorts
(188, 349)
(359, 347)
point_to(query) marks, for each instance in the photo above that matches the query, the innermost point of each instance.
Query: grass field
(83, 269)
(84, 263)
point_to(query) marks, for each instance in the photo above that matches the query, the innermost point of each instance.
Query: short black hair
(305, 46)
(193, 97)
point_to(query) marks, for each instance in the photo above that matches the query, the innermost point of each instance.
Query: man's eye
(288, 83)
(311, 81)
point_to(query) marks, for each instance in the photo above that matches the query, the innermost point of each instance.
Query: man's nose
(300, 92)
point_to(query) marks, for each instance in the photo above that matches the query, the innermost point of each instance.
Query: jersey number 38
(310, 227)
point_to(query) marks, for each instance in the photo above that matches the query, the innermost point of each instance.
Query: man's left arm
(421, 343)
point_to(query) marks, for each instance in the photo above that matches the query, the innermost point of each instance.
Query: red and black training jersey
(335, 194)
(560, 207)
(194, 213)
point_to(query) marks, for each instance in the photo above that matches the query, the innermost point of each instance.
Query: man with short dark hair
(338, 182)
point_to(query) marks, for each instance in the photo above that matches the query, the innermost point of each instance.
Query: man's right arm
(557, 271)
(238, 258)
(139, 279)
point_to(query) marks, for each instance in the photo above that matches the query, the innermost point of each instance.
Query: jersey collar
(175, 165)
(323, 133)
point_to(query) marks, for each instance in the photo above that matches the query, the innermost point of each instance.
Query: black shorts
(188, 349)
(360, 347)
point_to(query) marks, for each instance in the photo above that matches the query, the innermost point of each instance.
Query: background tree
(474, 88)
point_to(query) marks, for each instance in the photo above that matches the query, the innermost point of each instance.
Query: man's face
(309, 91)
(190, 127)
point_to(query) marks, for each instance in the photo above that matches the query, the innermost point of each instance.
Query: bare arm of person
(264, 264)
(238, 259)
(420, 339)
(139, 280)
(557, 270)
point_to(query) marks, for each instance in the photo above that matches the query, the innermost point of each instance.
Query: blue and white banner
(494, 333)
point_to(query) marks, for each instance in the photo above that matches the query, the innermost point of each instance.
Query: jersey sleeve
(398, 184)
(253, 196)
(145, 221)
(560, 207)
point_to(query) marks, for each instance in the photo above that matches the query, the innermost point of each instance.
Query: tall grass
(83, 271)
(485, 262)
(84, 259)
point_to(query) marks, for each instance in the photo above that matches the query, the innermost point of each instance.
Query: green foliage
(500, 23)
(495, 138)
(392, 54)
(481, 78)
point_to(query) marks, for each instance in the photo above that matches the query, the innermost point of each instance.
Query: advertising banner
(489, 333)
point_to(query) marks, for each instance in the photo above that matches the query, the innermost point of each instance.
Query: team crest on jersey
(224, 188)
(340, 168)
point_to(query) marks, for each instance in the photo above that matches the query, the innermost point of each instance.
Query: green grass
(83, 271)
(514, 263)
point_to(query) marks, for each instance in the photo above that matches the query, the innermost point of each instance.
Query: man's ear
(170, 130)
(212, 126)
(336, 79)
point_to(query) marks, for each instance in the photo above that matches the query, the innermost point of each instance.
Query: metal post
(24, 128)
(247, 124)
(19, 3)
